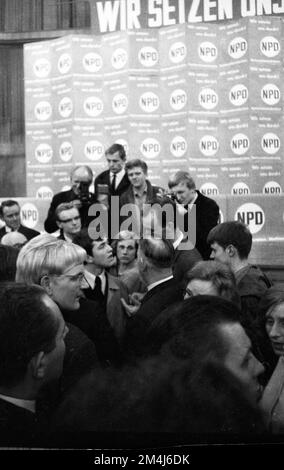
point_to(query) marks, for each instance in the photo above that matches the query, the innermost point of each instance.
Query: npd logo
(149, 102)
(119, 103)
(209, 189)
(240, 189)
(29, 215)
(239, 144)
(119, 58)
(207, 52)
(44, 192)
(64, 63)
(270, 94)
(94, 150)
(148, 56)
(238, 94)
(178, 99)
(208, 145)
(237, 48)
(252, 215)
(269, 46)
(150, 147)
(208, 98)
(43, 110)
(92, 62)
(43, 153)
(65, 107)
(270, 143)
(177, 52)
(42, 68)
(93, 106)
(178, 146)
(272, 187)
(66, 151)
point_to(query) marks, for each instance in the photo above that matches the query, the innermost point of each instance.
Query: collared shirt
(179, 239)
(189, 206)
(29, 405)
(118, 175)
(67, 238)
(91, 279)
(140, 196)
(161, 281)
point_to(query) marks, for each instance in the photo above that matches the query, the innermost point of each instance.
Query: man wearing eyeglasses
(68, 220)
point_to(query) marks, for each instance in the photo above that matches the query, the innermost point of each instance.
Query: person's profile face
(11, 217)
(55, 357)
(115, 162)
(274, 324)
(66, 287)
(218, 253)
(240, 360)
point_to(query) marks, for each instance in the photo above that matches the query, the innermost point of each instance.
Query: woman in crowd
(272, 314)
(125, 249)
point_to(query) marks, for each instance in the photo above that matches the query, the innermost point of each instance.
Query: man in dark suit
(155, 258)
(32, 349)
(160, 217)
(81, 180)
(207, 211)
(114, 181)
(10, 214)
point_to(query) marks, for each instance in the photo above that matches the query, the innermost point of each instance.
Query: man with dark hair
(155, 259)
(183, 187)
(10, 214)
(205, 337)
(32, 349)
(81, 179)
(114, 181)
(68, 220)
(101, 286)
(160, 217)
(231, 244)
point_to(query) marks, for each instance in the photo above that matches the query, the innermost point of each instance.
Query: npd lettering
(207, 51)
(120, 103)
(208, 145)
(178, 99)
(252, 215)
(272, 187)
(92, 62)
(270, 94)
(93, 106)
(43, 153)
(177, 52)
(208, 98)
(94, 150)
(43, 110)
(240, 189)
(237, 48)
(64, 63)
(119, 58)
(149, 102)
(238, 95)
(270, 143)
(29, 215)
(42, 68)
(148, 56)
(178, 146)
(209, 189)
(270, 46)
(66, 151)
(150, 148)
(240, 144)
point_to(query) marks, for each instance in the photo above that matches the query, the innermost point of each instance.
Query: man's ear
(59, 224)
(45, 283)
(231, 250)
(38, 365)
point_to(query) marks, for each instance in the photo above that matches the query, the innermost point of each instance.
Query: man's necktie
(97, 292)
(113, 183)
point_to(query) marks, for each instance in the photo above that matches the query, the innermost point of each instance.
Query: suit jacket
(153, 303)
(28, 232)
(207, 215)
(104, 178)
(18, 426)
(128, 196)
(66, 196)
(112, 308)
(184, 260)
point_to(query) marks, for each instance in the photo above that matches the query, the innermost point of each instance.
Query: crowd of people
(163, 329)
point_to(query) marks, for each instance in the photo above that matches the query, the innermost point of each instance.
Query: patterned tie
(113, 183)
